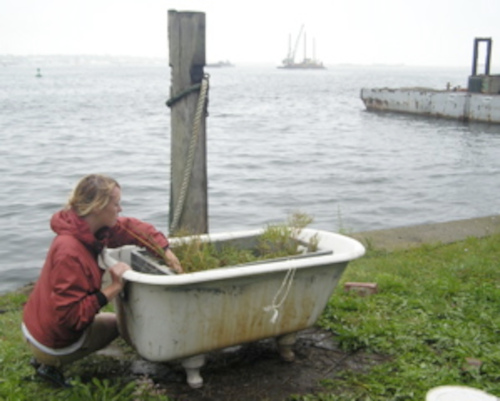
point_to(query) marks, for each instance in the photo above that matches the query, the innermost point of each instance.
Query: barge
(480, 102)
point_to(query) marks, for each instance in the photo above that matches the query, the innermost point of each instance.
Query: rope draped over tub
(283, 292)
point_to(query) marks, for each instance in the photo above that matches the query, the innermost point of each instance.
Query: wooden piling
(188, 204)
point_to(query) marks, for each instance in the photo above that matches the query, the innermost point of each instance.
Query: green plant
(277, 240)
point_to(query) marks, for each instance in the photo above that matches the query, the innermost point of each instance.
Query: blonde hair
(92, 193)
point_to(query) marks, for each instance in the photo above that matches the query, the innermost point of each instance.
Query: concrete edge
(414, 236)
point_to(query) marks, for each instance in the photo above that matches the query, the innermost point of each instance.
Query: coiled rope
(200, 108)
(285, 286)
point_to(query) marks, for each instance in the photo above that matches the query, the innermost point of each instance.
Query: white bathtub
(183, 317)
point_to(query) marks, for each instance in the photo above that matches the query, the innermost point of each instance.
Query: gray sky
(411, 32)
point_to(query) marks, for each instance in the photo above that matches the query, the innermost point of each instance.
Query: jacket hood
(67, 222)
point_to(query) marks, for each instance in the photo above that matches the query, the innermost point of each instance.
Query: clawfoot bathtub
(182, 317)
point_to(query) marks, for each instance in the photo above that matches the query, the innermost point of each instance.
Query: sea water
(278, 141)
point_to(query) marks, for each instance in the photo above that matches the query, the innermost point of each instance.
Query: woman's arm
(132, 231)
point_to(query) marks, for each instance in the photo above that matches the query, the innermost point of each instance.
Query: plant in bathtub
(277, 241)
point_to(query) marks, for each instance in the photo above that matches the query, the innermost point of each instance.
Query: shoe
(34, 363)
(53, 375)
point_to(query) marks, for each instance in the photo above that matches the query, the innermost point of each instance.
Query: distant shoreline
(45, 60)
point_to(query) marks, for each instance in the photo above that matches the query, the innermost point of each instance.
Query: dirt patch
(256, 371)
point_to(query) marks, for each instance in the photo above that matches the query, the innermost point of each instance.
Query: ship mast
(297, 44)
(305, 47)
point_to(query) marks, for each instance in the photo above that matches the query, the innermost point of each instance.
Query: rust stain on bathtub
(241, 316)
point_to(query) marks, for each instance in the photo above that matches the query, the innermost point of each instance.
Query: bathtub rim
(327, 241)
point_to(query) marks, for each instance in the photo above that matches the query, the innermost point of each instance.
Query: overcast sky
(411, 32)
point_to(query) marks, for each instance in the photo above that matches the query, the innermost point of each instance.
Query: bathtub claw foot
(192, 366)
(287, 354)
(285, 347)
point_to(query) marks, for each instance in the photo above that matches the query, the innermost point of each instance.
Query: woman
(61, 320)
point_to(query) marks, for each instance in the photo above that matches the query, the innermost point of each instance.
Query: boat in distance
(307, 63)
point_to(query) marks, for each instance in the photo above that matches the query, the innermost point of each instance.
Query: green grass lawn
(436, 317)
(437, 314)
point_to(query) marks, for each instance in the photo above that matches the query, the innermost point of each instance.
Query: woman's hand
(172, 261)
(116, 272)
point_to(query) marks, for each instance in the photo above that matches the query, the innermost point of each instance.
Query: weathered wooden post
(188, 101)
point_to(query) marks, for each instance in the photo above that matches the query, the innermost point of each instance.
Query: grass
(437, 310)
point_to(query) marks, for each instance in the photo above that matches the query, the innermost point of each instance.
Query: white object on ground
(458, 393)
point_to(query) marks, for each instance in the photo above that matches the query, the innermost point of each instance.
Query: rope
(179, 207)
(287, 283)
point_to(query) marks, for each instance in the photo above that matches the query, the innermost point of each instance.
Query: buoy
(38, 74)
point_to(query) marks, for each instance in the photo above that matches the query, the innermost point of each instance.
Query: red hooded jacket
(65, 298)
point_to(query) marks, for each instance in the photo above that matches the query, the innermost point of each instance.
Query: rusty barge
(480, 102)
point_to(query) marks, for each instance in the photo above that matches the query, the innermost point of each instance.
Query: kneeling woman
(62, 321)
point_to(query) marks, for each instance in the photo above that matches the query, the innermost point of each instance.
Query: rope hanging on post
(188, 169)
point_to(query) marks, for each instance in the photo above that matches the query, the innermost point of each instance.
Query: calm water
(277, 140)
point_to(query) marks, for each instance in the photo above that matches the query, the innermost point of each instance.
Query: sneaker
(53, 375)
(34, 363)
